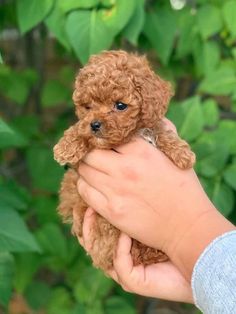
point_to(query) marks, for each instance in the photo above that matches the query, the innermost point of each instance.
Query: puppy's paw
(184, 158)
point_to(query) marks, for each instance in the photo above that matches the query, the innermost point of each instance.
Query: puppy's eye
(87, 107)
(120, 106)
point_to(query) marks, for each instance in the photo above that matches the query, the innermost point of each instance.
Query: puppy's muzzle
(96, 126)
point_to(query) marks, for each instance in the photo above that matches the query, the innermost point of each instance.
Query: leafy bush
(42, 44)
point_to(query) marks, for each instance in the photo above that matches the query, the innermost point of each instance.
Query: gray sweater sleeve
(214, 276)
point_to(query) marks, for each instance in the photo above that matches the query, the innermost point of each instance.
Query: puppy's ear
(70, 149)
(155, 94)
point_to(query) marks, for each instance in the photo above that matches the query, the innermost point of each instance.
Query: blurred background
(42, 45)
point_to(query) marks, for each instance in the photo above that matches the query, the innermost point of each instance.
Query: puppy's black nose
(95, 125)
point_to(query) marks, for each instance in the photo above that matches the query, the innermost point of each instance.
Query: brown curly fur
(107, 78)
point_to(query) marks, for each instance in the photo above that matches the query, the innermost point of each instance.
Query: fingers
(170, 125)
(102, 160)
(96, 179)
(123, 256)
(122, 262)
(91, 196)
(88, 222)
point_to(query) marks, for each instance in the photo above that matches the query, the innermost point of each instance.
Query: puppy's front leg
(174, 147)
(71, 148)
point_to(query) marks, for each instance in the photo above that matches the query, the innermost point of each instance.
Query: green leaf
(209, 20)
(204, 146)
(60, 302)
(92, 285)
(14, 235)
(16, 85)
(70, 5)
(193, 122)
(27, 265)
(87, 33)
(54, 93)
(211, 56)
(214, 163)
(223, 198)
(6, 277)
(230, 175)
(1, 61)
(14, 196)
(4, 128)
(45, 209)
(162, 41)
(116, 17)
(10, 138)
(96, 307)
(56, 249)
(135, 24)
(211, 112)
(56, 22)
(220, 193)
(226, 133)
(187, 33)
(79, 308)
(27, 125)
(44, 171)
(117, 305)
(219, 82)
(229, 13)
(38, 294)
(32, 12)
(176, 114)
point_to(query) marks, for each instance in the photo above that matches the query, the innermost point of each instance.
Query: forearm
(205, 229)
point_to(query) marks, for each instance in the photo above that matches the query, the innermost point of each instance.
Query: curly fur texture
(108, 78)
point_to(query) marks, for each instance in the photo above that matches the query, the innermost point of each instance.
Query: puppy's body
(116, 96)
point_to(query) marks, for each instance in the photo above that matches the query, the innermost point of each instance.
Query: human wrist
(208, 226)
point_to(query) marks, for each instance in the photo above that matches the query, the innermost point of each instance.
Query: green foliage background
(42, 45)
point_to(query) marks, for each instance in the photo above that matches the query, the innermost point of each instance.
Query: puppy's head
(116, 94)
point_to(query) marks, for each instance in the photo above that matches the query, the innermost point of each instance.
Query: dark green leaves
(193, 123)
(162, 41)
(6, 277)
(95, 286)
(209, 20)
(14, 235)
(221, 195)
(219, 82)
(118, 15)
(135, 24)
(229, 13)
(44, 171)
(9, 138)
(55, 93)
(31, 12)
(117, 305)
(4, 128)
(210, 112)
(70, 5)
(87, 33)
(16, 85)
(230, 175)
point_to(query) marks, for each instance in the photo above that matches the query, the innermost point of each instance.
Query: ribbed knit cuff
(214, 276)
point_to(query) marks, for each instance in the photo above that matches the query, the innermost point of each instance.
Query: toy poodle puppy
(117, 96)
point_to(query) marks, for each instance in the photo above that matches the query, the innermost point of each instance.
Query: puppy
(116, 96)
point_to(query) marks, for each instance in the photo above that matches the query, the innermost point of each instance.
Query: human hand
(141, 192)
(161, 280)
